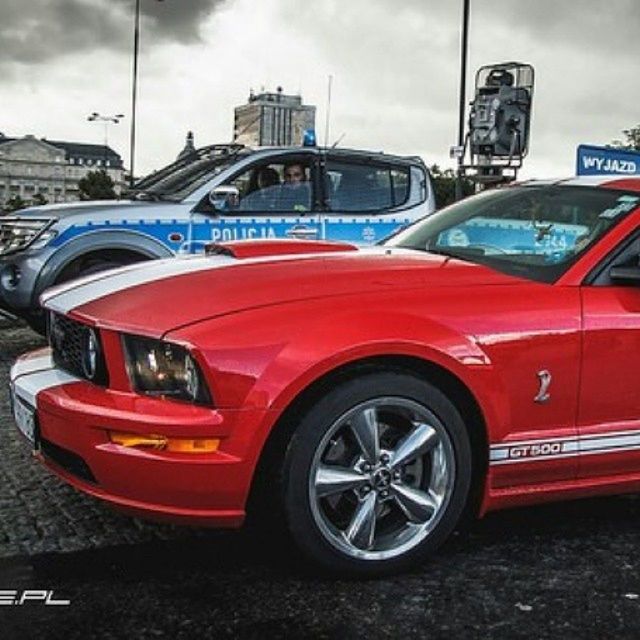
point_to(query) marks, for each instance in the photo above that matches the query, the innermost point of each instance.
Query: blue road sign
(595, 161)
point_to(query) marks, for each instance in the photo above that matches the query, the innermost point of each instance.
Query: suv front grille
(69, 342)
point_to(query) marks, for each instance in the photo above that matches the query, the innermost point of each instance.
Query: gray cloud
(610, 26)
(40, 30)
(402, 58)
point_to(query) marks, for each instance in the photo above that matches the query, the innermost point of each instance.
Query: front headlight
(159, 368)
(19, 233)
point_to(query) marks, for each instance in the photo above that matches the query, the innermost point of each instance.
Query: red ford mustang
(483, 358)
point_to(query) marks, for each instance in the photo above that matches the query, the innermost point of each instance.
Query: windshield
(536, 232)
(181, 178)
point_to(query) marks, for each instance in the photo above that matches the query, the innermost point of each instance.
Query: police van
(218, 193)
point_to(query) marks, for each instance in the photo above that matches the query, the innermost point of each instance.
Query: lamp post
(134, 88)
(106, 120)
(463, 91)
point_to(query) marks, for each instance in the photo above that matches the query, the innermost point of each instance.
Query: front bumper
(74, 418)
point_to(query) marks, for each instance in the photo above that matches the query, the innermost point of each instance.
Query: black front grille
(69, 341)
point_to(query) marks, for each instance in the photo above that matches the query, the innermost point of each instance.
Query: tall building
(272, 119)
(52, 168)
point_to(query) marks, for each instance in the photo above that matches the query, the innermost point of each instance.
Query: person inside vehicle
(267, 177)
(262, 191)
(295, 194)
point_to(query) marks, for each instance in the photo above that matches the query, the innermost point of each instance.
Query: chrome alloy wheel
(381, 478)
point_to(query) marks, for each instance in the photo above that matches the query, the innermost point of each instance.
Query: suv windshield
(183, 177)
(536, 232)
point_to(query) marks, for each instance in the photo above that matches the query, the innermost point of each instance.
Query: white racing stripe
(29, 385)
(568, 447)
(69, 296)
(78, 292)
(31, 364)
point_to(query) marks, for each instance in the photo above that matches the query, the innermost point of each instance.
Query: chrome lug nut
(384, 458)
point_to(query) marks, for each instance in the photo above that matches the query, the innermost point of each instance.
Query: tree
(38, 199)
(96, 185)
(444, 185)
(631, 141)
(14, 203)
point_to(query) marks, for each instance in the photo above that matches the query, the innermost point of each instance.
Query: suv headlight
(17, 234)
(159, 368)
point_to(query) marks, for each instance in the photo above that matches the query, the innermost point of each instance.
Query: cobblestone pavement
(38, 513)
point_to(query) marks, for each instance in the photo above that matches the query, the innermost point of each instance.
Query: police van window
(274, 187)
(360, 188)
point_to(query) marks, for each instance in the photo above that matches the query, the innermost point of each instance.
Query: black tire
(36, 318)
(94, 266)
(313, 521)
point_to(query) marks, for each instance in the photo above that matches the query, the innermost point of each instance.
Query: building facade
(49, 170)
(272, 119)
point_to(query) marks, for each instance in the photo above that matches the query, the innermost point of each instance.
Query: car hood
(155, 297)
(80, 209)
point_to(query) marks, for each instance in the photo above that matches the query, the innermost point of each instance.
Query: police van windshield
(181, 178)
(536, 232)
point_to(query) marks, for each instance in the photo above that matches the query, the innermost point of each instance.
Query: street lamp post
(134, 88)
(463, 91)
(136, 45)
(106, 120)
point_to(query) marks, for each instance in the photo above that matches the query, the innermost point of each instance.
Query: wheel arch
(99, 243)
(446, 381)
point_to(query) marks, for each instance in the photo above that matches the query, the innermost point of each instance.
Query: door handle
(301, 232)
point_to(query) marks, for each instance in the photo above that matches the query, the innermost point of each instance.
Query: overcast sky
(395, 65)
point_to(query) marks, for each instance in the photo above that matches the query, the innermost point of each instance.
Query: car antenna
(339, 140)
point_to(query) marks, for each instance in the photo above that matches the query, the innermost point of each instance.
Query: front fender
(275, 355)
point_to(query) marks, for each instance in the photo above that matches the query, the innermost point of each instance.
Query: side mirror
(224, 198)
(625, 275)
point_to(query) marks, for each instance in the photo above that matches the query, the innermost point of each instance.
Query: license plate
(25, 417)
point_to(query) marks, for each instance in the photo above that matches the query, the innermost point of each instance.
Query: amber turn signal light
(164, 443)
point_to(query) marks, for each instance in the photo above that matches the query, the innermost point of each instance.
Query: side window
(362, 188)
(274, 187)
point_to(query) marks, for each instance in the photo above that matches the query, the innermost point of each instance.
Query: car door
(365, 199)
(267, 205)
(609, 406)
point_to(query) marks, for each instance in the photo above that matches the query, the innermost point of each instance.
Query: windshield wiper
(460, 253)
(141, 194)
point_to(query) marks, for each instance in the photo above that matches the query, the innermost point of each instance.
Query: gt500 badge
(525, 451)
(535, 450)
